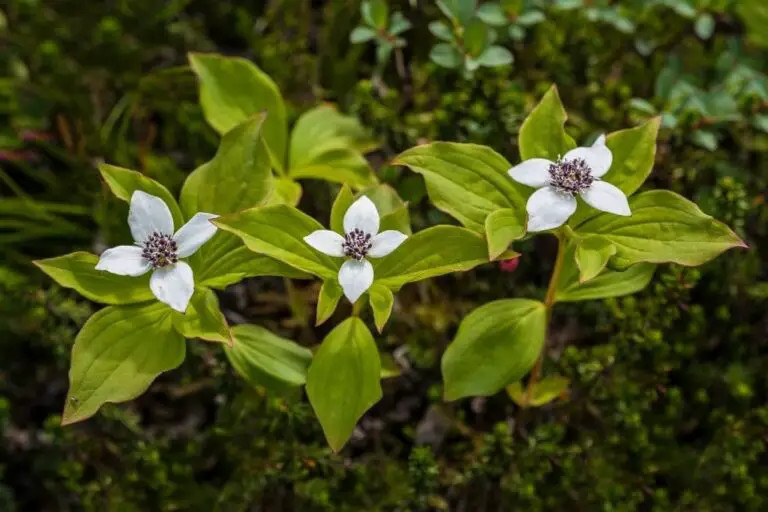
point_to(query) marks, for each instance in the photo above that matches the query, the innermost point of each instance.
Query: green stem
(549, 301)
(356, 307)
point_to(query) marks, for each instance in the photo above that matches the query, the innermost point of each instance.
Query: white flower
(157, 247)
(361, 239)
(577, 173)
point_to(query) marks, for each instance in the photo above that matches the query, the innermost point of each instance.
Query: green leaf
(643, 106)
(496, 344)
(230, 262)
(398, 24)
(460, 10)
(467, 181)
(475, 37)
(441, 31)
(382, 300)
(278, 232)
(232, 90)
(704, 26)
(287, 192)
(344, 166)
(389, 367)
(203, 318)
(608, 284)
(542, 134)
(495, 56)
(543, 392)
(343, 380)
(341, 204)
(328, 300)
(432, 252)
(705, 139)
(117, 354)
(492, 14)
(78, 271)
(361, 35)
(376, 13)
(392, 209)
(530, 18)
(592, 255)
(664, 227)
(445, 55)
(754, 14)
(267, 360)
(323, 129)
(239, 176)
(124, 182)
(502, 227)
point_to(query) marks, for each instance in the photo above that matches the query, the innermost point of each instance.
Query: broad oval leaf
(542, 134)
(664, 227)
(233, 89)
(609, 283)
(124, 182)
(496, 344)
(117, 354)
(239, 176)
(467, 181)
(339, 165)
(278, 232)
(343, 381)
(266, 359)
(78, 271)
(432, 252)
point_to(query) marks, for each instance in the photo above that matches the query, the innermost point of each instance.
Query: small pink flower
(509, 265)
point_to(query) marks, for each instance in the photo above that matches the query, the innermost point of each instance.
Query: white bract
(361, 238)
(558, 184)
(158, 248)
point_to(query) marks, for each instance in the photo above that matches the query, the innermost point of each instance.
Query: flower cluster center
(356, 244)
(571, 176)
(161, 250)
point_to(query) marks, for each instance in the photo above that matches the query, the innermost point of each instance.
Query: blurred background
(665, 406)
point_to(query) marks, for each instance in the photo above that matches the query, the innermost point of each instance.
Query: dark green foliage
(667, 401)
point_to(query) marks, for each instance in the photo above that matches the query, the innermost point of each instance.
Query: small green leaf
(267, 360)
(239, 176)
(530, 18)
(542, 134)
(376, 13)
(232, 90)
(467, 181)
(278, 232)
(492, 14)
(78, 271)
(432, 252)
(496, 344)
(398, 24)
(328, 300)
(445, 55)
(441, 31)
(475, 37)
(543, 392)
(705, 139)
(343, 381)
(503, 227)
(664, 227)
(124, 182)
(459, 10)
(495, 56)
(344, 166)
(643, 106)
(117, 354)
(592, 255)
(361, 35)
(203, 319)
(382, 300)
(287, 192)
(705, 26)
(341, 204)
(389, 367)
